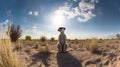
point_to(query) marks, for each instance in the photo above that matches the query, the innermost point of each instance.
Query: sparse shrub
(15, 32)
(52, 39)
(28, 37)
(43, 39)
(76, 41)
(118, 36)
(93, 45)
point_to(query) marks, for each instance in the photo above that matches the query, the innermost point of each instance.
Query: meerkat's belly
(62, 42)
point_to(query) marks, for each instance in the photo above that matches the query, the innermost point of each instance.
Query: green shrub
(28, 37)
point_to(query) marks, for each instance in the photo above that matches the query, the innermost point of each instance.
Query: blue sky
(82, 18)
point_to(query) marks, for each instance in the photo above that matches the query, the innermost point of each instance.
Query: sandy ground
(108, 56)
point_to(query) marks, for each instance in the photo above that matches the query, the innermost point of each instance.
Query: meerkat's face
(61, 29)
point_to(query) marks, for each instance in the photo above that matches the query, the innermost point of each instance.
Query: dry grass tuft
(93, 45)
(19, 45)
(45, 49)
(44, 46)
(7, 57)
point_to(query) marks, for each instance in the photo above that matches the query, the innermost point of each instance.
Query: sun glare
(58, 20)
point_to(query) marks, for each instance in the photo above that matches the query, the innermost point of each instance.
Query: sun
(58, 19)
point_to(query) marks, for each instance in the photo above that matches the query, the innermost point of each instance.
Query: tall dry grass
(45, 49)
(7, 57)
(93, 45)
(44, 46)
(18, 44)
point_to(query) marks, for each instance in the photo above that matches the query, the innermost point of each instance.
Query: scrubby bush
(43, 39)
(28, 37)
(118, 36)
(52, 39)
(76, 41)
(15, 32)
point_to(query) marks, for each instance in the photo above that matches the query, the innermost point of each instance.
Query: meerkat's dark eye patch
(60, 28)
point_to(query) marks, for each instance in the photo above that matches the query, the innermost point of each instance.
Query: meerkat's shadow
(67, 60)
(40, 56)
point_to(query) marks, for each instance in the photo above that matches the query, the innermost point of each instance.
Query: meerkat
(62, 45)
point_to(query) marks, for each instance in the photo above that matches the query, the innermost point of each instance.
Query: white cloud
(4, 24)
(108, 36)
(7, 21)
(35, 31)
(34, 27)
(75, 0)
(33, 13)
(83, 12)
(97, 1)
(30, 12)
(36, 13)
(9, 11)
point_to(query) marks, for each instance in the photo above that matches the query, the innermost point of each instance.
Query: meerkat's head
(61, 29)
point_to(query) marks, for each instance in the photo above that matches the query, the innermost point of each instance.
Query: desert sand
(77, 55)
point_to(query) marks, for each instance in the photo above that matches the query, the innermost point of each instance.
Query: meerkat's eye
(60, 28)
